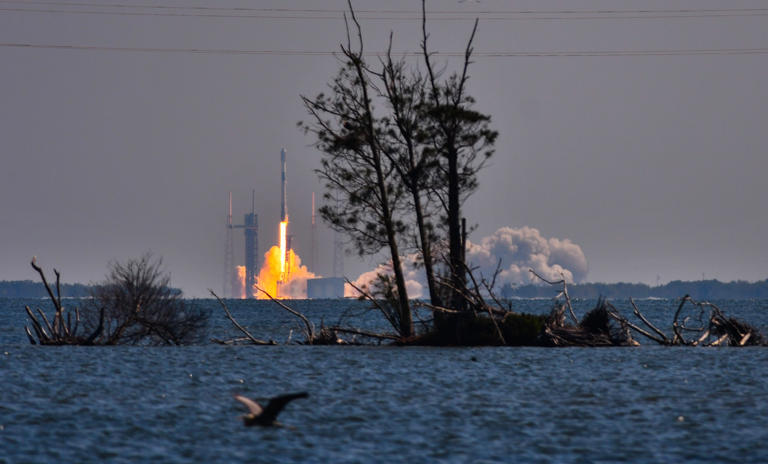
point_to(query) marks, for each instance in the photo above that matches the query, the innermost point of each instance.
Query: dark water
(382, 404)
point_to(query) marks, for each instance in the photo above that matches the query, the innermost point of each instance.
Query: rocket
(284, 189)
(284, 246)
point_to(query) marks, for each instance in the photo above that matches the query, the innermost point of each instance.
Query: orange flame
(283, 246)
(273, 278)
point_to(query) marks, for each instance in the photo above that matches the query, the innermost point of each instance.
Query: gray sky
(653, 163)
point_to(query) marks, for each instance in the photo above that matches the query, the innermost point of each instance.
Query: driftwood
(390, 316)
(708, 327)
(563, 292)
(60, 331)
(366, 333)
(597, 328)
(235, 341)
(309, 327)
(324, 336)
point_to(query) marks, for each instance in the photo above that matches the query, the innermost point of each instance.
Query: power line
(399, 15)
(482, 54)
(385, 11)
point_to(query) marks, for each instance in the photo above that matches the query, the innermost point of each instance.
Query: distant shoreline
(32, 289)
(698, 289)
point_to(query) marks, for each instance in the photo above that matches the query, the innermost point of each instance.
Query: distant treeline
(700, 289)
(31, 289)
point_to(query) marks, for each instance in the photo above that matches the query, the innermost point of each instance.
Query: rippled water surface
(380, 403)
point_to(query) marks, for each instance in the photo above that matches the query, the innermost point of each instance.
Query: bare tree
(354, 168)
(62, 330)
(140, 307)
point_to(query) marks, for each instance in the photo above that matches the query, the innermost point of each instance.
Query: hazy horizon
(640, 138)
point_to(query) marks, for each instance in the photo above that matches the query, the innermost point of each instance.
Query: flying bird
(266, 416)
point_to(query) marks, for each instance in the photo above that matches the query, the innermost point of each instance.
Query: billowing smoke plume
(519, 249)
(524, 248)
(415, 281)
(238, 284)
(295, 285)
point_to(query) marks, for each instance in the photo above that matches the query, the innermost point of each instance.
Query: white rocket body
(284, 189)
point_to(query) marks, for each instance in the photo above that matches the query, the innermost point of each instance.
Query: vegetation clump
(135, 305)
(597, 328)
(523, 329)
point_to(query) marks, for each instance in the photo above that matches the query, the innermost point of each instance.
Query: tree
(415, 159)
(463, 139)
(404, 91)
(356, 173)
(140, 307)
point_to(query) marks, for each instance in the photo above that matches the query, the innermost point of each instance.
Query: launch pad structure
(237, 285)
(250, 228)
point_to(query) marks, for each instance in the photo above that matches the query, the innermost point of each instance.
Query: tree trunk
(426, 251)
(456, 253)
(404, 310)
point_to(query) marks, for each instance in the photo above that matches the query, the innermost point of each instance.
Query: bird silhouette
(266, 416)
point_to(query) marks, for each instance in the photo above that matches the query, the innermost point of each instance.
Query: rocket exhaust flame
(283, 249)
(271, 278)
(282, 275)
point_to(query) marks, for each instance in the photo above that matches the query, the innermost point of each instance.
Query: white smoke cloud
(524, 248)
(519, 249)
(415, 280)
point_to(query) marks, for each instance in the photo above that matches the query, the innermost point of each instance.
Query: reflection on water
(380, 404)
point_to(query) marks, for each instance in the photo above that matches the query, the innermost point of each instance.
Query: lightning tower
(313, 252)
(252, 262)
(229, 256)
(251, 227)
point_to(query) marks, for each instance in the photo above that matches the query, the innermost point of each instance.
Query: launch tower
(250, 227)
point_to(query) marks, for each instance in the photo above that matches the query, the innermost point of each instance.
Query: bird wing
(277, 404)
(253, 406)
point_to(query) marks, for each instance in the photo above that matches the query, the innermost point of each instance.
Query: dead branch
(365, 333)
(621, 319)
(676, 325)
(719, 341)
(47, 324)
(745, 339)
(564, 291)
(310, 330)
(432, 307)
(479, 296)
(60, 331)
(373, 301)
(240, 341)
(29, 336)
(701, 339)
(242, 329)
(637, 313)
(41, 335)
(39, 270)
(494, 298)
